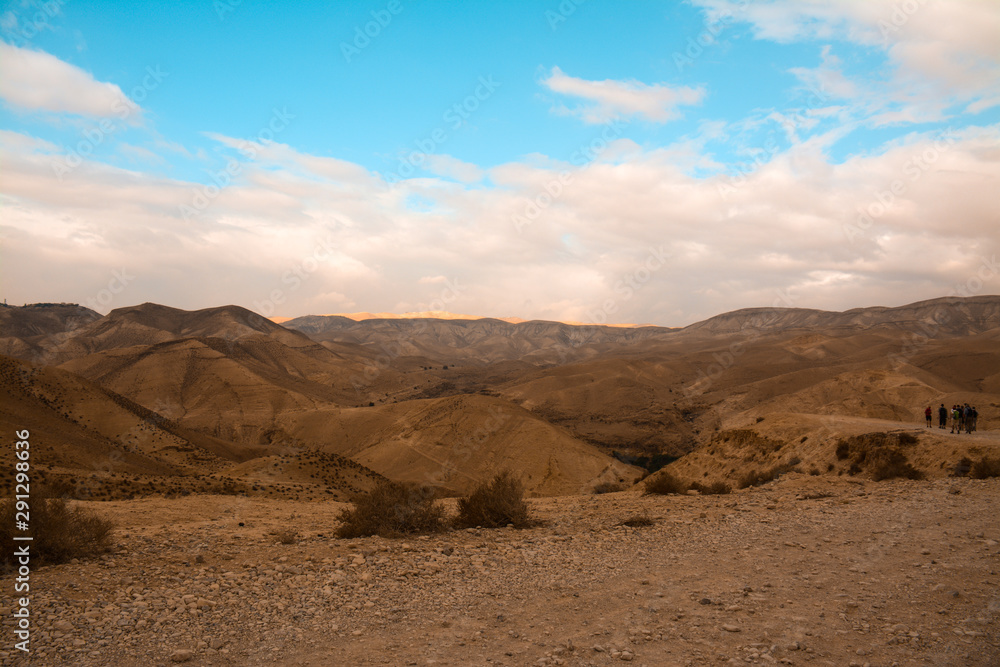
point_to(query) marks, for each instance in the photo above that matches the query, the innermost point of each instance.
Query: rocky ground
(803, 571)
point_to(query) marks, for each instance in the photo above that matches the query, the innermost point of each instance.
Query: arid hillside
(566, 407)
(90, 442)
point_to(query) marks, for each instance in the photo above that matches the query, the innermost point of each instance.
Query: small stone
(730, 628)
(181, 655)
(627, 656)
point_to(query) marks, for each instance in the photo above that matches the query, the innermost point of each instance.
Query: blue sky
(587, 161)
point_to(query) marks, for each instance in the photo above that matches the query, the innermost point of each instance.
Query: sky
(578, 160)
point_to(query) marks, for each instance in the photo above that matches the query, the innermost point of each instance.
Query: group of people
(962, 416)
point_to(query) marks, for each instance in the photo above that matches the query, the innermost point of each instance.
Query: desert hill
(90, 441)
(41, 319)
(953, 316)
(22, 328)
(458, 442)
(479, 341)
(402, 397)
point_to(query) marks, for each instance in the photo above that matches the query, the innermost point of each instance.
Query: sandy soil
(803, 571)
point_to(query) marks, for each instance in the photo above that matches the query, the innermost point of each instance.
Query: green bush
(494, 504)
(392, 509)
(61, 533)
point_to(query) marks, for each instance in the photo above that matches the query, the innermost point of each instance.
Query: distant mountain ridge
(959, 316)
(482, 340)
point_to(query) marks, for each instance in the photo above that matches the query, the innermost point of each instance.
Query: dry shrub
(962, 468)
(758, 477)
(713, 489)
(843, 450)
(664, 484)
(61, 533)
(637, 521)
(890, 464)
(494, 504)
(392, 509)
(609, 487)
(880, 455)
(984, 468)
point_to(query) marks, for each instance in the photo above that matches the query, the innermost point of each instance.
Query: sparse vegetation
(880, 455)
(962, 468)
(650, 464)
(985, 468)
(890, 464)
(494, 504)
(61, 533)
(713, 489)
(609, 487)
(392, 509)
(759, 477)
(637, 521)
(663, 484)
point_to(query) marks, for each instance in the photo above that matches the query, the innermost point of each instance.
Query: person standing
(942, 416)
(927, 416)
(956, 419)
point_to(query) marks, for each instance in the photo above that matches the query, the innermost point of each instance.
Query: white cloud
(794, 226)
(609, 99)
(940, 52)
(451, 167)
(37, 81)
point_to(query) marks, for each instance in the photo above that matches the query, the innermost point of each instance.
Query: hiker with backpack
(927, 415)
(942, 416)
(956, 419)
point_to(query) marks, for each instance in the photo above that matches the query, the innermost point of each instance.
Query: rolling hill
(233, 399)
